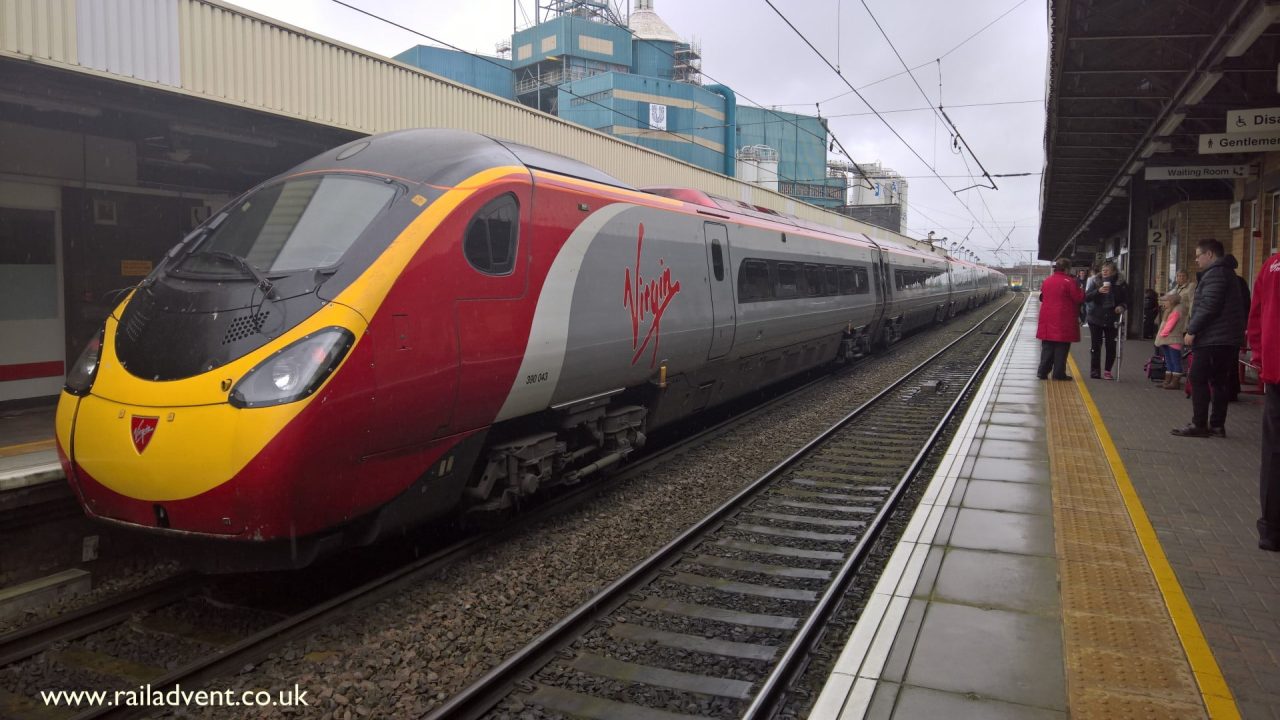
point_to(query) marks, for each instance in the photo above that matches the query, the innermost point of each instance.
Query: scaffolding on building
(609, 12)
(688, 63)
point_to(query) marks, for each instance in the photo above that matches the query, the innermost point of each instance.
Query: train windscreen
(299, 224)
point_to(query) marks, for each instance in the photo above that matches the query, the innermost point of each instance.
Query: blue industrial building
(490, 74)
(641, 82)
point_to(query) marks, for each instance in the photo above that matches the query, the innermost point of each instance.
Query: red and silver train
(431, 321)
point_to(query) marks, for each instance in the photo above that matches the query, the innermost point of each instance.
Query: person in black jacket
(1215, 331)
(1107, 296)
(1230, 261)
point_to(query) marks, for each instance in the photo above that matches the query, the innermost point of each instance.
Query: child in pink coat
(1169, 339)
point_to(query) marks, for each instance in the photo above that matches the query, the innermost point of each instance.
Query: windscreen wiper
(264, 284)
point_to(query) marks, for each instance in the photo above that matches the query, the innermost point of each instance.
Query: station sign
(1239, 142)
(1199, 172)
(1253, 120)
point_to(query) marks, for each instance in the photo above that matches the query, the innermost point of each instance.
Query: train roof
(446, 157)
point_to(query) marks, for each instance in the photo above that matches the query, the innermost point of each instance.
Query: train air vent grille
(136, 324)
(244, 326)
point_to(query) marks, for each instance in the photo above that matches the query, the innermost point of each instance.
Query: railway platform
(29, 469)
(1072, 558)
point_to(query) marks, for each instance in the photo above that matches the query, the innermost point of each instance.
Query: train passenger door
(724, 311)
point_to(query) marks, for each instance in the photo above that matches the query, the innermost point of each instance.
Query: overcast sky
(992, 83)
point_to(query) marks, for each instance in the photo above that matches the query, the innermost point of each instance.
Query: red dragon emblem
(142, 430)
(647, 299)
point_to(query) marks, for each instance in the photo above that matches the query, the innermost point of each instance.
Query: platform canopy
(1133, 83)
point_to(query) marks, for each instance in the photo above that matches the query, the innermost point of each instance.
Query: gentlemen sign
(1199, 172)
(1239, 142)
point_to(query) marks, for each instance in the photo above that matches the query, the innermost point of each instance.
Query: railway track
(170, 613)
(720, 621)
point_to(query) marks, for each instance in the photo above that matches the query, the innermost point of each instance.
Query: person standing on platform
(1264, 340)
(1215, 329)
(1184, 287)
(1173, 326)
(1107, 296)
(1058, 327)
(1230, 261)
(1150, 311)
(1082, 279)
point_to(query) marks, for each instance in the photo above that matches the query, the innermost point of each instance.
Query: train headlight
(294, 372)
(80, 376)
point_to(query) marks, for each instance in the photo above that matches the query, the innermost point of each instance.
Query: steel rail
(25, 642)
(260, 644)
(485, 693)
(773, 690)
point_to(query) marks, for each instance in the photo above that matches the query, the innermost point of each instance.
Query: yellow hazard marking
(1217, 697)
(27, 447)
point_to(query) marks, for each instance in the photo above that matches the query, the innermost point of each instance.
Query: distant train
(428, 322)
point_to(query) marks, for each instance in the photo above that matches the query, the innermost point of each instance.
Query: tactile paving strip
(1123, 656)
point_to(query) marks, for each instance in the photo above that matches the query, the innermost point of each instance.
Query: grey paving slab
(1012, 418)
(1007, 656)
(1014, 395)
(1024, 408)
(1008, 496)
(1009, 469)
(1003, 531)
(895, 667)
(1202, 499)
(1024, 583)
(1014, 449)
(991, 431)
(917, 703)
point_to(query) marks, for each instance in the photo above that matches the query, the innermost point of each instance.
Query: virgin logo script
(142, 428)
(647, 299)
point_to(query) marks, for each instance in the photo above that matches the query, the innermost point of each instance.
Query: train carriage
(432, 321)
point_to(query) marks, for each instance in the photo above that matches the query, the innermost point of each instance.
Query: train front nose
(160, 466)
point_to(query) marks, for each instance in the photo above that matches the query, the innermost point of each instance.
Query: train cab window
(832, 284)
(490, 241)
(813, 280)
(754, 282)
(717, 260)
(788, 279)
(306, 222)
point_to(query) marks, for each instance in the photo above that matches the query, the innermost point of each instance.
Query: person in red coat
(1263, 336)
(1059, 324)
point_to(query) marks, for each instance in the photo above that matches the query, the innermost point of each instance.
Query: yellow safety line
(24, 448)
(1217, 697)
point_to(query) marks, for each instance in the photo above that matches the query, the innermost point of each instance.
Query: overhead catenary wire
(886, 123)
(939, 111)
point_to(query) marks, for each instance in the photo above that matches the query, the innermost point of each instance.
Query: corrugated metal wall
(213, 51)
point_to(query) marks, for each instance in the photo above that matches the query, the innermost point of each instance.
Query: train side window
(490, 240)
(753, 281)
(848, 281)
(813, 280)
(717, 260)
(833, 285)
(787, 280)
(860, 283)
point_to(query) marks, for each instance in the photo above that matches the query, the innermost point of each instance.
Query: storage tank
(758, 164)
